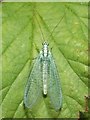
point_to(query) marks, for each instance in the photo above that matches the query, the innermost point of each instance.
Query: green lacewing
(43, 80)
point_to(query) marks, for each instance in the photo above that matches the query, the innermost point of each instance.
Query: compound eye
(45, 43)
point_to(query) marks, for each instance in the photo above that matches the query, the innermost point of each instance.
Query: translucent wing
(33, 87)
(54, 86)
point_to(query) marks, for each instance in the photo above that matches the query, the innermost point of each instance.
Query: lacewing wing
(43, 80)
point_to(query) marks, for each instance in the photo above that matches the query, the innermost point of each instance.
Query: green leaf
(25, 27)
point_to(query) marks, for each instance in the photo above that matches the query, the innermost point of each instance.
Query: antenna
(43, 38)
(42, 35)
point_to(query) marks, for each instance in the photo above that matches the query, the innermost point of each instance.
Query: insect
(43, 80)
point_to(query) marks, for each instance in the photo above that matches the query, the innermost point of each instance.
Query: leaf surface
(25, 27)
